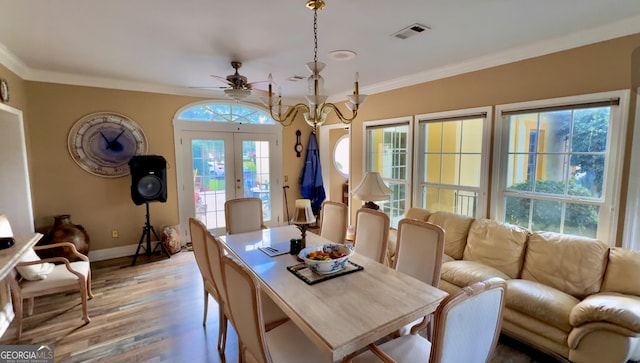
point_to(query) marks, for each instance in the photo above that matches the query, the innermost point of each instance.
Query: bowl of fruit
(327, 258)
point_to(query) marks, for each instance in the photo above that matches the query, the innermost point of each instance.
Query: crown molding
(13, 63)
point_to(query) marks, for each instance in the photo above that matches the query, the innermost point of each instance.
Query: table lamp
(372, 189)
(302, 217)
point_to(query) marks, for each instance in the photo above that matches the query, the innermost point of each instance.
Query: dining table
(344, 313)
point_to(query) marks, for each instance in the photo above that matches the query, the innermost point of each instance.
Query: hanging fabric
(311, 185)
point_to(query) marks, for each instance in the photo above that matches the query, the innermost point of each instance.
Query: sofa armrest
(613, 308)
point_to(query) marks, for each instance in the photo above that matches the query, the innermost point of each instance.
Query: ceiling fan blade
(209, 87)
(222, 79)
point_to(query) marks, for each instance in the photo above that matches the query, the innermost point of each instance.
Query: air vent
(410, 31)
(295, 78)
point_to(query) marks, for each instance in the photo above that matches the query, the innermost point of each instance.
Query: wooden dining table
(342, 314)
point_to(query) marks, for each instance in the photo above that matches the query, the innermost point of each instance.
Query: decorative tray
(305, 274)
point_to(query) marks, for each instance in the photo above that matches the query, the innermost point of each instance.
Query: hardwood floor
(152, 312)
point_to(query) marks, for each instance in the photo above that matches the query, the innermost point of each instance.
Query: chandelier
(316, 110)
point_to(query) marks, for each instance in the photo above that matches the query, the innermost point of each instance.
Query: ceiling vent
(410, 31)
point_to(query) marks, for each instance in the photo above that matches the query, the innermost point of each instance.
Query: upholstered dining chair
(243, 215)
(273, 315)
(467, 327)
(285, 343)
(372, 231)
(201, 253)
(39, 277)
(419, 251)
(334, 221)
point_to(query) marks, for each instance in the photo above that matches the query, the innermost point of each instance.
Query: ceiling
(173, 46)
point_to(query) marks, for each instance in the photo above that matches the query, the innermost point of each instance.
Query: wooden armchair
(62, 277)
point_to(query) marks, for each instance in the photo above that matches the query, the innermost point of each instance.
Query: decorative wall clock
(4, 90)
(102, 143)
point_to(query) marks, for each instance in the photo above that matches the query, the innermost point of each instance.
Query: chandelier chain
(315, 36)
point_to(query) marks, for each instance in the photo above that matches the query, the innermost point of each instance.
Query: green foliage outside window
(580, 219)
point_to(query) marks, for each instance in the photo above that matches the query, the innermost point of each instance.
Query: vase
(64, 230)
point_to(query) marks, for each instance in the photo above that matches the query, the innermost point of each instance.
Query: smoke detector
(411, 30)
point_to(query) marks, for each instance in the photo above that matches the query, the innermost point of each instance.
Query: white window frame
(609, 209)
(392, 122)
(482, 200)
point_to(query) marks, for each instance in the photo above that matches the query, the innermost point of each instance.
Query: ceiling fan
(237, 87)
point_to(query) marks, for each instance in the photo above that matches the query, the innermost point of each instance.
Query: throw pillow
(34, 272)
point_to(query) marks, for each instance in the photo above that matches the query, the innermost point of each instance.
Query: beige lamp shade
(303, 213)
(371, 189)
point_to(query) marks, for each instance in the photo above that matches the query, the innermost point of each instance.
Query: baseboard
(6, 316)
(115, 252)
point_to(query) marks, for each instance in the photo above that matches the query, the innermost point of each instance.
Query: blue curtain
(311, 186)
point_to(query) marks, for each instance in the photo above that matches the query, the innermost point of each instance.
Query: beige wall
(598, 67)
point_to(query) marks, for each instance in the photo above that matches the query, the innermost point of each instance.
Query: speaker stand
(146, 234)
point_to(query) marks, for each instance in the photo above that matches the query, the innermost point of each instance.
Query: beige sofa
(574, 297)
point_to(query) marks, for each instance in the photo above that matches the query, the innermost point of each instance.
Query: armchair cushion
(36, 271)
(59, 277)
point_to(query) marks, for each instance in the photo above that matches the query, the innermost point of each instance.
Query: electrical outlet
(115, 233)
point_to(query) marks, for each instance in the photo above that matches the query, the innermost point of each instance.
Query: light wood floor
(152, 312)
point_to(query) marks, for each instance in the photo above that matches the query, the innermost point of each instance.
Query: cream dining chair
(283, 344)
(201, 253)
(243, 215)
(419, 252)
(467, 327)
(334, 221)
(372, 231)
(273, 315)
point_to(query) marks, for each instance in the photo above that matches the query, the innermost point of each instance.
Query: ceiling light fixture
(315, 112)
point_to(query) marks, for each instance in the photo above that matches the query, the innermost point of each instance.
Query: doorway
(228, 165)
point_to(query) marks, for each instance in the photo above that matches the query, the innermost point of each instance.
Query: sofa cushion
(463, 273)
(420, 214)
(571, 264)
(540, 302)
(496, 244)
(618, 309)
(622, 264)
(456, 228)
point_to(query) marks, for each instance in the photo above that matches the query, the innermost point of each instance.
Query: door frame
(180, 126)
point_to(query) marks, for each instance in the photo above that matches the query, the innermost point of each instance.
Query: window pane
(518, 167)
(471, 129)
(223, 112)
(550, 176)
(517, 211)
(546, 215)
(432, 168)
(521, 128)
(590, 129)
(433, 137)
(470, 170)
(341, 156)
(581, 220)
(588, 174)
(450, 169)
(451, 136)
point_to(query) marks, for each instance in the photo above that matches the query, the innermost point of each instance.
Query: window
(560, 164)
(341, 156)
(389, 153)
(451, 172)
(226, 112)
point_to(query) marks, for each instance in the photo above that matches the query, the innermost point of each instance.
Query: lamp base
(371, 205)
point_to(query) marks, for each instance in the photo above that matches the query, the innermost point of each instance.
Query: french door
(218, 166)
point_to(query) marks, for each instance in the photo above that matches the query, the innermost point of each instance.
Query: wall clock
(4, 90)
(102, 143)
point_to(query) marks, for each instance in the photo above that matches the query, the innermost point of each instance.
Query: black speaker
(148, 179)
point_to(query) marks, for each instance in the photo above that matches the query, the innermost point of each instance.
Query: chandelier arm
(343, 118)
(290, 115)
